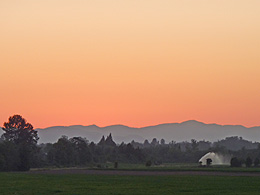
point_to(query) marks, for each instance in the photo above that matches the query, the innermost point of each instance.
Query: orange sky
(132, 62)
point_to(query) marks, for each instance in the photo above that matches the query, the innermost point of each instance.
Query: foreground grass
(22, 183)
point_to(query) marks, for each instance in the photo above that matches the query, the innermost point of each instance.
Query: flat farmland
(116, 183)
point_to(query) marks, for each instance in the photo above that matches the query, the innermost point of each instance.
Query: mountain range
(178, 132)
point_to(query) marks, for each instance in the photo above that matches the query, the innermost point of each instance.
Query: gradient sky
(131, 62)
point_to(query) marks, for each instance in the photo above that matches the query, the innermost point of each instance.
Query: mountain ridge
(183, 131)
(188, 121)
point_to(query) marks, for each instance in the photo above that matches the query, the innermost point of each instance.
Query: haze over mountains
(184, 131)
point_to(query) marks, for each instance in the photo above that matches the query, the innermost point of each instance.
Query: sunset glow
(130, 62)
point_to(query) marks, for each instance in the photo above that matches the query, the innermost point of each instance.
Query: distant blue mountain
(184, 131)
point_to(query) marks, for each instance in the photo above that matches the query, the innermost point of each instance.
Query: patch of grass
(22, 183)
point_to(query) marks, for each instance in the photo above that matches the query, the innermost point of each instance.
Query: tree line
(19, 150)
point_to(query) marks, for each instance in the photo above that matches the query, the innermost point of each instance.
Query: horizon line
(191, 120)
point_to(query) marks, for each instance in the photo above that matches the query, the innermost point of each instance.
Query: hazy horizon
(152, 125)
(149, 125)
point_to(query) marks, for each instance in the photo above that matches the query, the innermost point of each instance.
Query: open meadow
(76, 181)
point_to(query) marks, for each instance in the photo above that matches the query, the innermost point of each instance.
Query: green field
(23, 183)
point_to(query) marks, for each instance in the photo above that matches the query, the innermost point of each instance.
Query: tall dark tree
(17, 130)
(102, 141)
(22, 134)
(109, 141)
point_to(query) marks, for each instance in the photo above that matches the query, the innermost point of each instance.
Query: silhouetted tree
(162, 142)
(154, 142)
(19, 131)
(22, 134)
(81, 150)
(109, 141)
(102, 141)
(63, 152)
(146, 143)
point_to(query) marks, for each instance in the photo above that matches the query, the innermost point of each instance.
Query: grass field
(23, 183)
